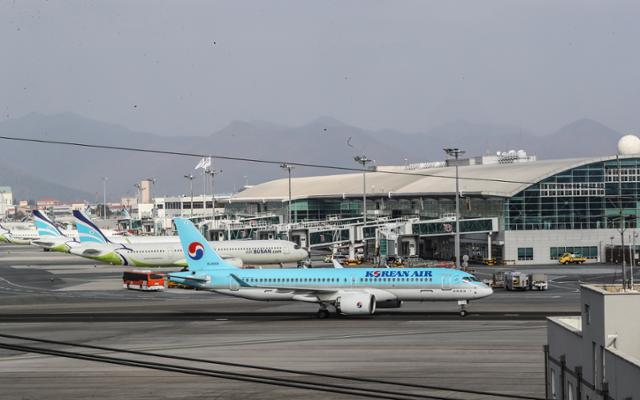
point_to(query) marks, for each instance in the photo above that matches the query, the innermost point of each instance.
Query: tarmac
(497, 348)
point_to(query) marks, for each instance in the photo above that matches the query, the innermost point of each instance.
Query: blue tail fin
(199, 254)
(44, 225)
(88, 232)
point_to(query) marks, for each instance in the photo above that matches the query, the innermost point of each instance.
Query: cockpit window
(470, 278)
(296, 246)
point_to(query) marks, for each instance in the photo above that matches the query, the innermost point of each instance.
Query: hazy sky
(191, 67)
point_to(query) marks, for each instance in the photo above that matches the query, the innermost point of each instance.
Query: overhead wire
(254, 160)
(281, 370)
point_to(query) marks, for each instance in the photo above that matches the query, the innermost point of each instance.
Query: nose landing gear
(463, 304)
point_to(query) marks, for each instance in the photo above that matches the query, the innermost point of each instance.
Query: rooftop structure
(596, 355)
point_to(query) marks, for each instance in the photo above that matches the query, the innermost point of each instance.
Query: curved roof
(502, 180)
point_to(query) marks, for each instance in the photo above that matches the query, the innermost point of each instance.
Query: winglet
(199, 254)
(44, 225)
(87, 230)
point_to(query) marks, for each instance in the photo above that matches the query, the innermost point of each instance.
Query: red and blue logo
(196, 250)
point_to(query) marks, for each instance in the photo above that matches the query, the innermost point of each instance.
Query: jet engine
(356, 303)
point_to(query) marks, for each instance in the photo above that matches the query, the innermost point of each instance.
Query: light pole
(633, 257)
(612, 258)
(288, 167)
(363, 160)
(139, 188)
(190, 178)
(622, 225)
(456, 152)
(213, 173)
(104, 197)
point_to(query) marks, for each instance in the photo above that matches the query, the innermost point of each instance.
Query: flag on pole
(204, 163)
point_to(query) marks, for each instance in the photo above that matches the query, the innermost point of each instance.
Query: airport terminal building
(539, 208)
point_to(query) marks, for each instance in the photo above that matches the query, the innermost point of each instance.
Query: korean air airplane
(51, 238)
(95, 245)
(350, 291)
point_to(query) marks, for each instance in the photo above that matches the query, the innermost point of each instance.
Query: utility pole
(622, 227)
(190, 178)
(104, 197)
(288, 167)
(633, 264)
(213, 173)
(456, 152)
(364, 160)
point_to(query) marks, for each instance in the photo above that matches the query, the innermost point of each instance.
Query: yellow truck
(570, 258)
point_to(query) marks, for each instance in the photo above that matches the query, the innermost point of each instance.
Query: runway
(497, 348)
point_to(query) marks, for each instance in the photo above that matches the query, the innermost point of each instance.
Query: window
(587, 314)
(602, 370)
(554, 394)
(525, 253)
(594, 362)
(569, 391)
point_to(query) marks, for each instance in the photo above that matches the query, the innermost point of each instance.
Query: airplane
(51, 238)
(17, 235)
(96, 246)
(351, 291)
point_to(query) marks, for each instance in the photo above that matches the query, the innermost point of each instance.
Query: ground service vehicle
(570, 258)
(516, 280)
(538, 281)
(142, 280)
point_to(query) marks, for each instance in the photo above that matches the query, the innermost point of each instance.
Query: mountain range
(75, 173)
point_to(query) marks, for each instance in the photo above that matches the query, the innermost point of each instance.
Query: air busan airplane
(95, 245)
(349, 290)
(51, 238)
(17, 235)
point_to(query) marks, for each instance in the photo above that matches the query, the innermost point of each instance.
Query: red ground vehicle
(142, 280)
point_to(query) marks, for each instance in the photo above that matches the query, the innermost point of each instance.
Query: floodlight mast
(364, 160)
(456, 153)
(288, 167)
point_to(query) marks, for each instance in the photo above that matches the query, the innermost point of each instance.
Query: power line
(270, 369)
(252, 160)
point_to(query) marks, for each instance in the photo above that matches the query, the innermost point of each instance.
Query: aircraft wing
(299, 289)
(191, 278)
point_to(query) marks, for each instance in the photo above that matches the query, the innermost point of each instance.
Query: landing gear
(463, 304)
(323, 313)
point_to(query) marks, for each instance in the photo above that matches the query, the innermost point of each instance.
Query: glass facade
(525, 253)
(590, 252)
(586, 197)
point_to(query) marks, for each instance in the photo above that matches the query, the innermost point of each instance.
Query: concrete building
(145, 190)
(6, 200)
(178, 206)
(544, 208)
(596, 355)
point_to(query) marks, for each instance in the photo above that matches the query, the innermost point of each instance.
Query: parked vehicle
(571, 258)
(538, 282)
(496, 281)
(142, 280)
(516, 280)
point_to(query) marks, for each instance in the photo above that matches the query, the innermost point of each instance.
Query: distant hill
(26, 186)
(37, 170)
